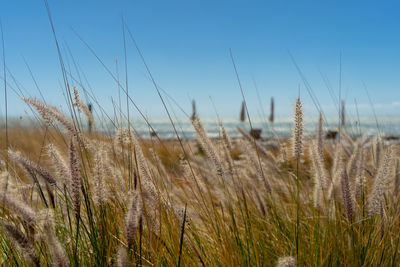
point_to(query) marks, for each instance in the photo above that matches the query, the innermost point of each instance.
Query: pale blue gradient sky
(186, 45)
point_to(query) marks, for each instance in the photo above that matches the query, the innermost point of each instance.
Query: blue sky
(186, 45)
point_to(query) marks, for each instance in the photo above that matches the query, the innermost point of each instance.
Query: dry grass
(147, 202)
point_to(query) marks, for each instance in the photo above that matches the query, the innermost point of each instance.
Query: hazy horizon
(187, 50)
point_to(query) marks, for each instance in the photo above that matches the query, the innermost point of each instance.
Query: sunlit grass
(231, 218)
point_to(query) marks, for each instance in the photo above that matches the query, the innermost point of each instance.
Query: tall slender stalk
(297, 143)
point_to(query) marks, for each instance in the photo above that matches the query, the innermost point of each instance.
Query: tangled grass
(73, 198)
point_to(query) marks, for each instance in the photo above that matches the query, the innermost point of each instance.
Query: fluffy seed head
(49, 113)
(122, 257)
(287, 261)
(380, 183)
(59, 165)
(30, 167)
(297, 135)
(21, 209)
(208, 146)
(56, 250)
(99, 173)
(19, 238)
(133, 218)
(82, 107)
(346, 193)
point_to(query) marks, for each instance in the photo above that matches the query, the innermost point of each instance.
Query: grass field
(73, 198)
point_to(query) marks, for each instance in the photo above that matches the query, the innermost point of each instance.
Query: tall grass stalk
(297, 144)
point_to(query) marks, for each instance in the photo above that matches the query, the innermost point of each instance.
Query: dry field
(72, 198)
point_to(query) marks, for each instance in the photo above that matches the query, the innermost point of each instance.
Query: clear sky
(186, 45)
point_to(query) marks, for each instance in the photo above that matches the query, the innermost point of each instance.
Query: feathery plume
(30, 166)
(317, 190)
(229, 165)
(18, 207)
(319, 165)
(353, 163)
(360, 179)
(353, 170)
(148, 191)
(297, 134)
(377, 148)
(133, 218)
(76, 179)
(287, 261)
(100, 189)
(59, 165)
(56, 250)
(49, 113)
(143, 168)
(19, 238)
(208, 146)
(82, 107)
(225, 136)
(184, 167)
(336, 171)
(380, 183)
(346, 194)
(122, 257)
(123, 136)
